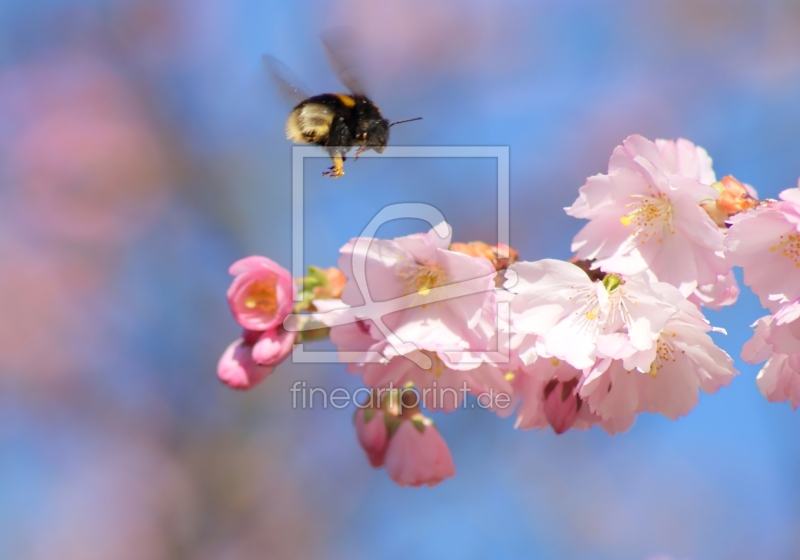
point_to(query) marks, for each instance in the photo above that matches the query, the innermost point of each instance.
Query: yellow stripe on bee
(346, 100)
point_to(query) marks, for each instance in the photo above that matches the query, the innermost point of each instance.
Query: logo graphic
(377, 310)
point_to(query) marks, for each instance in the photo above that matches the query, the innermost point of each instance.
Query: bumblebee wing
(341, 56)
(288, 84)
(309, 123)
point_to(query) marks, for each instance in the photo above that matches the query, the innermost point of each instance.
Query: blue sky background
(127, 446)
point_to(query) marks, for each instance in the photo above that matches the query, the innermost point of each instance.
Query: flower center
(665, 353)
(437, 366)
(789, 247)
(649, 215)
(423, 278)
(262, 296)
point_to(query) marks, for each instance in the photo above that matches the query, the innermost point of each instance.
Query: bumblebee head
(373, 132)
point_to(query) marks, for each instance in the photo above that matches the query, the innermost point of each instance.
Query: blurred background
(142, 152)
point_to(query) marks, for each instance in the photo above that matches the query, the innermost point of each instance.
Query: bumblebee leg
(360, 151)
(337, 169)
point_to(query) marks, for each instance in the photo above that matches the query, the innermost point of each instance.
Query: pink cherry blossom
(765, 242)
(579, 321)
(237, 368)
(664, 379)
(779, 379)
(443, 376)
(434, 344)
(434, 278)
(634, 345)
(443, 385)
(355, 343)
(372, 434)
(779, 345)
(645, 214)
(715, 296)
(261, 294)
(417, 454)
(784, 331)
(675, 157)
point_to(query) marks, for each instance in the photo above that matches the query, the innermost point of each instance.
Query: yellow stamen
(789, 246)
(437, 366)
(509, 376)
(422, 278)
(665, 353)
(262, 295)
(649, 216)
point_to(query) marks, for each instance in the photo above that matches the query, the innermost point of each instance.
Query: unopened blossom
(665, 378)
(261, 294)
(237, 368)
(333, 286)
(372, 434)
(547, 391)
(501, 255)
(417, 454)
(444, 293)
(578, 320)
(765, 242)
(734, 197)
(250, 359)
(561, 404)
(273, 347)
(779, 345)
(645, 214)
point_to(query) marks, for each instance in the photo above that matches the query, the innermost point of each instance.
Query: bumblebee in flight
(335, 121)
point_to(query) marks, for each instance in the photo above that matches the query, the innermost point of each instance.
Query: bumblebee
(335, 121)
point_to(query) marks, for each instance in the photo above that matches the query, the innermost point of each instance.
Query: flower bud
(501, 255)
(734, 197)
(417, 454)
(261, 295)
(332, 286)
(561, 404)
(236, 367)
(273, 347)
(372, 434)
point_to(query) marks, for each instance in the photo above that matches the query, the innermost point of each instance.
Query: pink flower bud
(334, 285)
(236, 367)
(262, 294)
(561, 404)
(273, 347)
(372, 434)
(417, 454)
(734, 197)
(501, 255)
